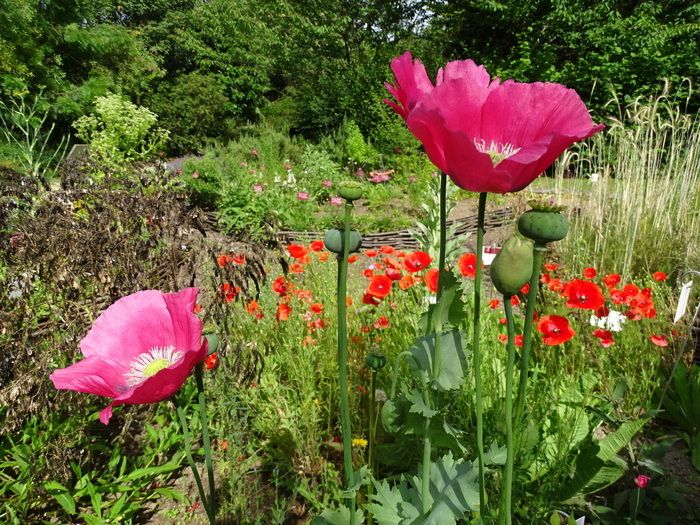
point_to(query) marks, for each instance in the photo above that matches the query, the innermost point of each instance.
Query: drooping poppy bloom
(604, 336)
(659, 276)
(393, 274)
(487, 136)
(283, 311)
(431, 280)
(555, 329)
(467, 265)
(417, 261)
(379, 286)
(659, 340)
(317, 245)
(583, 294)
(642, 481)
(382, 323)
(368, 298)
(140, 350)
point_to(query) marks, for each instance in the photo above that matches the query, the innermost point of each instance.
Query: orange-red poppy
(583, 294)
(555, 329)
(417, 261)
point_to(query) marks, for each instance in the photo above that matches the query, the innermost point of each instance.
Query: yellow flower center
(148, 364)
(154, 367)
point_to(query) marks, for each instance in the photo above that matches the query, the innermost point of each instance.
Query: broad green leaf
(611, 444)
(62, 495)
(495, 455)
(361, 477)
(151, 471)
(453, 362)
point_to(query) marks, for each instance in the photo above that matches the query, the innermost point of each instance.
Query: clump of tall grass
(643, 212)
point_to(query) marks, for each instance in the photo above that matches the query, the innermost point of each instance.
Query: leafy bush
(120, 131)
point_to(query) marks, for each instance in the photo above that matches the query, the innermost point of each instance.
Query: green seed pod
(334, 241)
(375, 361)
(212, 343)
(512, 267)
(350, 190)
(543, 226)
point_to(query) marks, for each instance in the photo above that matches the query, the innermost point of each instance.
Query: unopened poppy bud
(334, 241)
(212, 343)
(350, 190)
(512, 266)
(543, 223)
(375, 361)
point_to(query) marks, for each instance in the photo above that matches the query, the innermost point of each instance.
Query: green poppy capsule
(334, 241)
(512, 266)
(350, 190)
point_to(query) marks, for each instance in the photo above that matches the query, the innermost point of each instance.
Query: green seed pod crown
(375, 361)
(512, 267)
(543, 223)
(350, 190)
(334, 241)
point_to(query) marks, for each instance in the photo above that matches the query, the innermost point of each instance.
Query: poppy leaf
(453, 361)
(341, 516)
(418, 405)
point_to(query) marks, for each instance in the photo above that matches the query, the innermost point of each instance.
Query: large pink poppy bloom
(486, 135)
(140, 350)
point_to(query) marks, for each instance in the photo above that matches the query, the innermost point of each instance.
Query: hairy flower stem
(372, 434)
(192, 464)
(198, 374)
(538, 258)
(342, 359)
(477, 354)
(506, 512)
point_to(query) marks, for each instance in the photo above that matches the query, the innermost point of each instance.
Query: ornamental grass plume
(140, 350)
(486, 135)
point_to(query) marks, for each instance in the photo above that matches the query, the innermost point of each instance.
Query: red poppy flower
(589, 273)
(316, 308)
(393, 274)
(431, 280)
(659, 276)
(296, 268)
(417, 261)
(503, 338)
(323, 256)
(659, 340)
(211, 361)
(493, 304)
(518, 340)
(502, 320)
(368, 273)
(280, 285)
(352, 258)
(642, 481)
(604, 337)
(551, 267)
(380, 286)
(617, 296)
(525, 289)
(603, 311)
(555, 329)
(197, 308)
(317, 245)
(556, 285)
(371, 253)
(467, 265)
(515, 300)
(386, 250)
(304, 295)
(583, 294)
(629, 291)
(611, 280)
(297, 251)
(381, 323)
(222, 260)
(368, 298)
(487, 136)
(283, 311)
(406, 282)
(252, 306)
(238, 259)
(229, 292)
(545, 278)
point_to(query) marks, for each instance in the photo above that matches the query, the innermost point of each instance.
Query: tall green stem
(342, 359)
(538, 258)
(506, 512)
(192, 464)
(477, 353)
(198, 374)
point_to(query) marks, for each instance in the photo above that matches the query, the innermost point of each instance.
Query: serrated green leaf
(495, 455)
(341, 516)
(453, 362)
(418, 405)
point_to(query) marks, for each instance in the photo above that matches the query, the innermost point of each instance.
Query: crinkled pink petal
(412, 82)
(469, 71)
(132, 325)
(187, 326)
(92, 375)
(106, 414)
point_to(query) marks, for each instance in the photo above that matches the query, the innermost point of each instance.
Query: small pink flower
(336, 201)
(195, 174)
(642, 481)
(258, 188)
(327, 183)
(140, 350)
(302, 196)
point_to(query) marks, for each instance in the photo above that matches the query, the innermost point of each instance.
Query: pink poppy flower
(486, 135)
(336, 201)
(302, 196)
(140, 350)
